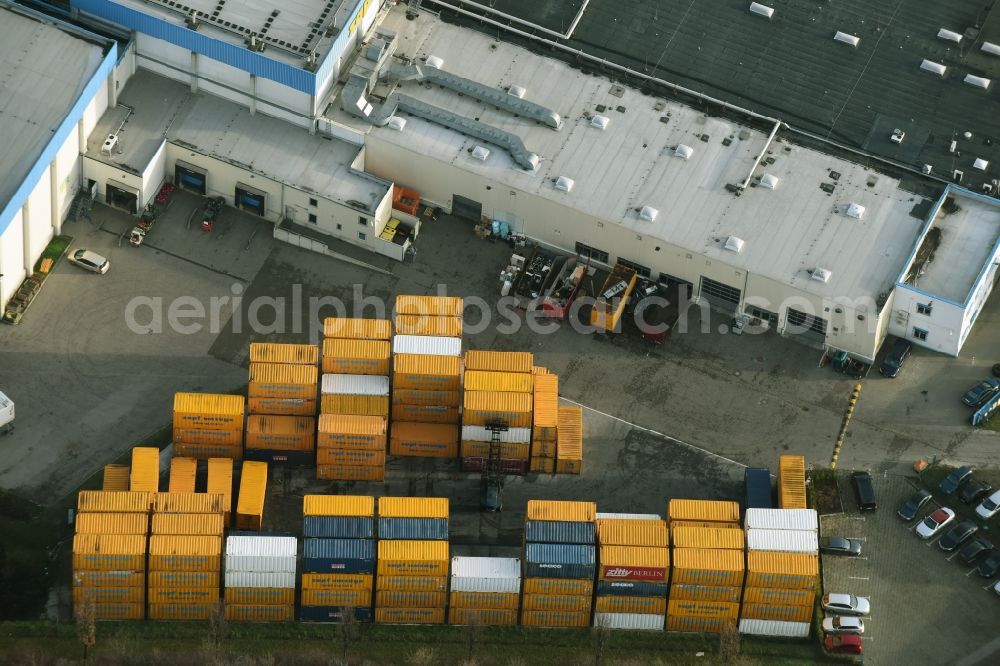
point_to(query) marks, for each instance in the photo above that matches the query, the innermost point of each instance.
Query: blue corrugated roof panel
(546, 560)
(338, 527)
(559, 531)
(338, 556)
(413, 528)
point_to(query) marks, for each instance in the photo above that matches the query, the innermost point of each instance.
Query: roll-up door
(122, 196)
(467, 208)
(251, 199)
(719, 295)
(806, 325)
(191, 177)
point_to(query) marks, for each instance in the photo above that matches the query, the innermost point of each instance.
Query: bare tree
(218, 626)
(601, 634)
(347, 632)
(729, 645)
(86, 624)
(473, 632)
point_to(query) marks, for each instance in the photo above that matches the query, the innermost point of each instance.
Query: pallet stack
(545, 423)
(708, 565)
(260, 578)
(634, 562)
(283, 383)
(559, 564)
(109, 554)
(208, 425)
(338, 557)
(185, 556)
(485, 591)
(427, 376)
(569, 441)
(413, 558)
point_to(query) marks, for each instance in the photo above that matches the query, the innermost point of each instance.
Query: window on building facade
(363, 221)
(362, 235)
(924, 308)
(312, 218)
(644, 271)
(919, 333)
(586, 251)
(313, 202)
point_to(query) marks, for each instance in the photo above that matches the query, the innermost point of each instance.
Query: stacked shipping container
(569, 449)
(498, 390)
(220, 481)
(485, 591)
(253, 491)
(208, 425)
(338, 557)
(708, 565)
(412, 583)
(634, 562)
(260, 578)
(116, 477)
(545, 423)
(282, 392)
(183, 472)
(559, 564)
(792, 482)
(355, 402)
(144, 475)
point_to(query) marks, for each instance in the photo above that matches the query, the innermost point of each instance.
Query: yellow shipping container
(109, 552)
(434, 434)
(208, 410)
(556, 602)
(365, 405)
(704, 523)
(648, 564)
(119, 611)
(792, 482)
(615, 604)
(798, 571)
(344, 582)
(220, 481)
(416, 558)
(415, 583)
(85, 578)
(260, 595)
(564, 466)
(710, 510)
(206, 579)
(260, 612)
(356, 357)
(188, 503)
(628, 532)
(183, 595)
(543, 449)
(561, 510)
(413, 507)
(707, 537)
(706, 566)
(350, 473)
(705, 592)
(209, 524)
(546, 407)
(181, 611)
(339, 505)
(104, 501)
(209, 451)
(281, 380)
(565, 586)
(425, 414)
(283, 406)
(702, 625)
(410, 599)
(281, 433)
(409, 616)
(346, 431)
(542, 618)
(438, 306)
(506, 600)
(232, 436)
(364, 329)
(184, 553)
(108, 595)
(401, 396)
(145, 470)
(283, 352)
(448, 327)
(350, 457)
(410, 449)
(508, 450)
(539, 370)
(779, 612)
(491, 380)
(499, 361)
(542, 465)
(571, 421)
(253, 490)
(116, 478)
(484, 406)
(777, 595)
(426, 372)
(712, 609)
(112, 523)
(482, 617)
(182, 475)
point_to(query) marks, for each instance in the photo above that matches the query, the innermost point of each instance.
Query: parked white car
(841, 624)
(989, 506)
(848, 604)
(935, 522)
(91, 261)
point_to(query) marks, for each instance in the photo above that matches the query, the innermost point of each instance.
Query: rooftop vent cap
(820, 274)
(397, 123)
(434, 61)
(761, 10)
(949, 35)
(565, 183)
(517, 91)
(855, 210)
(769, 181)
(683, 151)
(977, 81)
(734, 244)
(933, 67)
(845, 38)
(480, 153)
(991, 48)
(648, 213)
(980, 164)
(600, 122)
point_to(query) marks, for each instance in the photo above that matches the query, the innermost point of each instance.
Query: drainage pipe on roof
(756, 162)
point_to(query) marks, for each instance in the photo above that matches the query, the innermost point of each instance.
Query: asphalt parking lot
(924, 602)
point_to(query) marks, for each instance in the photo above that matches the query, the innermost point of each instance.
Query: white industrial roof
(43, 70)
(632, 164)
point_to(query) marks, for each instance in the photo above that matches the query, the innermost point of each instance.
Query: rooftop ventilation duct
(480, 153)
(769, 181)
(734, 244)
(397, 123)
(761, 10)
(845, 38)
(683, 151)
(980, 164)
(977, 81)
(820, 274)
(949, 35)
(933, 67)
(991, 48)
(648, 213)
(564, 183)
(434, 61)
(600, 122)
(855, 210)
(517, 91)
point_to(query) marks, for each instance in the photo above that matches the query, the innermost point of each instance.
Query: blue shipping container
(627, 588)
(549, 560)
(558, 531)
(338, 556)
(338, 527)
(333, 613)
(423, 529)
(757, 483)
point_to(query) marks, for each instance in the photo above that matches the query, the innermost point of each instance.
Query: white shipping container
(470, 584)
(785, 541)
(775, 628)
(261, 553)
(781, 519)
(284, 580)
(628, 516)
(485, 567)
(355, 385)
(426, 344)
(472, 433)
(629, 621)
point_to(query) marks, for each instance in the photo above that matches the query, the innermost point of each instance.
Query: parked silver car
(848, 604)
(90, 261)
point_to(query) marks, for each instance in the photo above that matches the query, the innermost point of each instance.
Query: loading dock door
(191, 177)
(467, 208)
(250, 199)
(720, 296)
(806, 325)
(122, 196)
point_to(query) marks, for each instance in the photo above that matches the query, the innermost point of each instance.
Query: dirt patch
(825, 492)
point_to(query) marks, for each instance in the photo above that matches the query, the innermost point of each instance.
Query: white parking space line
(990, 586)
(952, 556)
(970, 572)
(859, 577)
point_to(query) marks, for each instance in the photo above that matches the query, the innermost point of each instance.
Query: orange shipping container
(482, 617)
(410, 599)
(508, 450)
(181, 611)
(260, 612)
(119, 611)
(113, 502)
(338, 505)
(182, 475)
(409, 615)
(353, 457)
(792, 482)
(208, 451)
(779, 596)
(778, 612)
(541, 618)
(569, 466)
(350, 473)
(704, 566)
(426, 372)
(278, 380)
(615, 604)
(345, 431)
(539, 370)
(346, 582)
(414, 583)
(283, 406)
(505, 600)
(112, 523)
(220, 481)
(634, 563)
(565, 586)
(629, 532)
(108, 595)
(499, 361)
(183, 595)
(210, 524)
(364, 329)
(448, 327)
(184, 553)
(225, 437)
(556, 602)
(88, 578)
(543, 449)
(206, 579)
(704, 523)
(720, 610)
(413, 507)
(208, 410)
(416, 558)
(484, 406)
(356, 357)
(707, 510)
(401, 396)
(546, 407)
(145, 470)
(707, 537)
(425, 414)
(438, 306)
(411, 449)
(365, 405)
(561, 510)
(187, 503)
(280, 352)
(431, 436)
(253, 489)
(705, 592)
(260, 595)
(787, 570)
(116, 478)
(109, 552)
(490, 380)
(542, 465)
(702, 625)
(281, 433)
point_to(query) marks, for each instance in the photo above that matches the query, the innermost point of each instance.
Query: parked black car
(974, 550)
(956, 535)
(981, 392)
(973, 491)
(864, 490)
(953, 481)
(990, 565)
(912, 506)
(838, 545)
(893, 361)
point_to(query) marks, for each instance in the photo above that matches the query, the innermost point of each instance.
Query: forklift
(491, 484)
